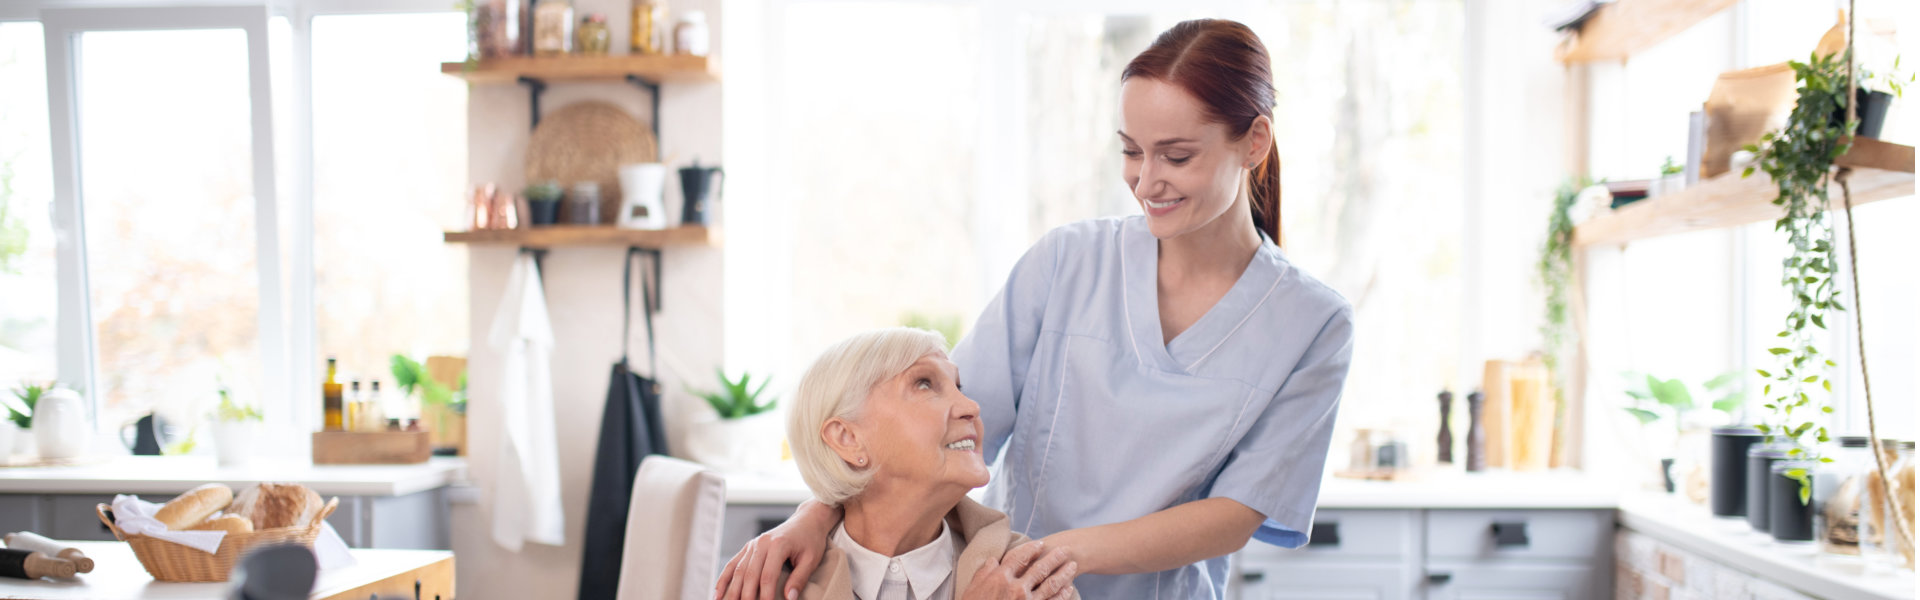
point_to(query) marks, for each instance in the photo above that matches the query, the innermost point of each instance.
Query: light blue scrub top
(1095, 421)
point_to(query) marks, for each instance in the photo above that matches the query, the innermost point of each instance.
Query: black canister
(1728, 491)
(1789, 519)
(1760, 458)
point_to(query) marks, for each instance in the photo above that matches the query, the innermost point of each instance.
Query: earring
(863, 461)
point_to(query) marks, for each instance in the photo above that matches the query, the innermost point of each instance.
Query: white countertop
(1729, 541)
(175, 474)
(1440, 489)
(117, 575)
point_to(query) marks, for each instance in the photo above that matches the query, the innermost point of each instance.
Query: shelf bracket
(653, 91)
(535, 88)
(659, 293)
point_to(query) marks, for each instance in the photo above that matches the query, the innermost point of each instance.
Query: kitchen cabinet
(1438, 554)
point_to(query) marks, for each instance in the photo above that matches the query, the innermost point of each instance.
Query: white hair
(837, 386)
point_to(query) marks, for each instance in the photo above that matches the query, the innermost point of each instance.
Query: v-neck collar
(1140, 269)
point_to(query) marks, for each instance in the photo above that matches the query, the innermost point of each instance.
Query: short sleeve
(1276, 468)
(994, 356)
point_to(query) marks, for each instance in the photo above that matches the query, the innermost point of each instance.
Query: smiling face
(1185, 171)
(916, 430)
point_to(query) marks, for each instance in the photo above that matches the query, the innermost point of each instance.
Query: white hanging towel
(526, 489)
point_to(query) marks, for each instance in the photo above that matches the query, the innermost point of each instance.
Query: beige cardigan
(986, 532)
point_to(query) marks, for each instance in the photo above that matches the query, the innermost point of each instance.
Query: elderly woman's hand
(1030, 571)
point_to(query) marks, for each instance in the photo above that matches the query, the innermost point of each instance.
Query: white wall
(583, 295)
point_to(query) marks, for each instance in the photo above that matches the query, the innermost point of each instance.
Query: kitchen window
(28, 305)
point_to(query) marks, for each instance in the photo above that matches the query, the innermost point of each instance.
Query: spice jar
(583, 203)
(1841, 493)
(649, 23)
(552, 27)
(592, 36)
(690, 36)
(497, 29)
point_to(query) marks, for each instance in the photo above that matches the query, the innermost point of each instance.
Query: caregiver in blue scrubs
(1157, 388)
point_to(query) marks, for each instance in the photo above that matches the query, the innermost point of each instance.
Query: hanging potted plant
(236, 430)
(742, 433)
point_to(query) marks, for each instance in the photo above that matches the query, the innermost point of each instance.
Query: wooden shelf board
(1881, 171)
(1624, 27)
(659, 68)
(589, 235)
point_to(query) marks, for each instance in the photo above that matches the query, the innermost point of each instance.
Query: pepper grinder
(1476, 436)
(1446, 427)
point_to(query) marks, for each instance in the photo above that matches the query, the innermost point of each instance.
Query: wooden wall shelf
(589, 235)
(1624, 27)
(671, 68)
(1881, 171)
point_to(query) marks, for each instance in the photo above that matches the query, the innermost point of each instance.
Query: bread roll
(194, 506)
(272, 505)
(227, 523)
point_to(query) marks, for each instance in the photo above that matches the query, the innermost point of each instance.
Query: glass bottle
(552, 28)
(593, 36)
(649, 18)
(353, 406)
(1840, 491)
(330, 398)
(1900, 468)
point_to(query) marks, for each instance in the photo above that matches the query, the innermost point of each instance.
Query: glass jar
(583, 203)
(499, 28)
(1893, 549)
(1840, 492)
(593, 36)
(690, 36)
(552, 28)
(649, 21)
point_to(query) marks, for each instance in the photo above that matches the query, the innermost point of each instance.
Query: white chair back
(672, 548)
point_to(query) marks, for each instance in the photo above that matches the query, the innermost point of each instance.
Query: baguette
(194, 506)
(229, 523)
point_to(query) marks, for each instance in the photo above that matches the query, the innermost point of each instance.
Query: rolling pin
(27, 540)
(27, 564)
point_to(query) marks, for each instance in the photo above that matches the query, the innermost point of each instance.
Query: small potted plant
(442, 409)
(1652, 399)
(16, 437)
(543, 200)
(742, 433)
(236, 430)
(1876, 93)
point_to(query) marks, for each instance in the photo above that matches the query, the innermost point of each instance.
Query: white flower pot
(23, 441)
(234, 441)
(737, 445)
(60, 425)
(8, 431)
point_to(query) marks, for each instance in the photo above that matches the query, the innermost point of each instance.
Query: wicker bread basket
(168, 561)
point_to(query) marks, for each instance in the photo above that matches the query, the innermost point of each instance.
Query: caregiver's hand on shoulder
(1030, 571)
(754, 573)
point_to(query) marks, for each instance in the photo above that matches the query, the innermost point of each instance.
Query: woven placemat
(589, 141)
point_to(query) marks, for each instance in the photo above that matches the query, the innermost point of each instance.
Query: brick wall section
(1648, 569)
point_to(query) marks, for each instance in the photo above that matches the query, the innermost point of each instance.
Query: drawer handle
(1440, 578)
(1510, 534)
(1253, 576)
(1325, 535)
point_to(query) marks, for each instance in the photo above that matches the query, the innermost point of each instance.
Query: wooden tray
(371, 448)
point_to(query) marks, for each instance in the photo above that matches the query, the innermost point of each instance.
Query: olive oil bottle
(330, 394)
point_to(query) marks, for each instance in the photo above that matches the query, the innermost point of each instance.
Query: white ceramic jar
(60, 425)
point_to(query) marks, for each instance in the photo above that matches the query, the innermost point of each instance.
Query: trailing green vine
(1799, 159)
(1555, 269)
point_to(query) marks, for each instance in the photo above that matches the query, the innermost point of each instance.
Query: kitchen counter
(170, 475)
(1729, 541)
(118, 575)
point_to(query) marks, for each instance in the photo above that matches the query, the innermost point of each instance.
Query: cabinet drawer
(1569, 534)
(21, 513)
(1318, 581)
(75, 518)
(1523, 581)
(1350, 534)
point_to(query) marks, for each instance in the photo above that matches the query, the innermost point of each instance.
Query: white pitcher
(60, 425)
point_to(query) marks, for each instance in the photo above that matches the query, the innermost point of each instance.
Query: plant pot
(736, 445)
(1760, 459)
(1728, 488)
(23, 441)
(60, 425)
(1789, 519)
(545, 212)
(1872, 112)
(8, 431)
(234, 441)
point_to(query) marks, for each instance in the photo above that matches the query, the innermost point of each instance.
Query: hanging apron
(630, 430)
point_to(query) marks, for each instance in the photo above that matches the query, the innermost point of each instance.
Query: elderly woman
(879, 427)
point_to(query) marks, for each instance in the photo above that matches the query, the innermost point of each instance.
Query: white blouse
(924, 573)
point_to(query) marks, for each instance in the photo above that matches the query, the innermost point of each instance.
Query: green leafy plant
(1892, 80)
(1654, 398)
(20, 410)
(228, 410)
(948, 326)
(733, 401)
(1555, 269)
(410, 376)
(1671, 168)
(1799, 158)
(545, 191)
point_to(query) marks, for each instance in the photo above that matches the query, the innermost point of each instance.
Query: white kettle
(60, 425)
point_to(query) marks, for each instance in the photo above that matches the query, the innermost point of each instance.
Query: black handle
(1324, 534)
(1509, 534)
(1439, 578)
(1253, 576)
